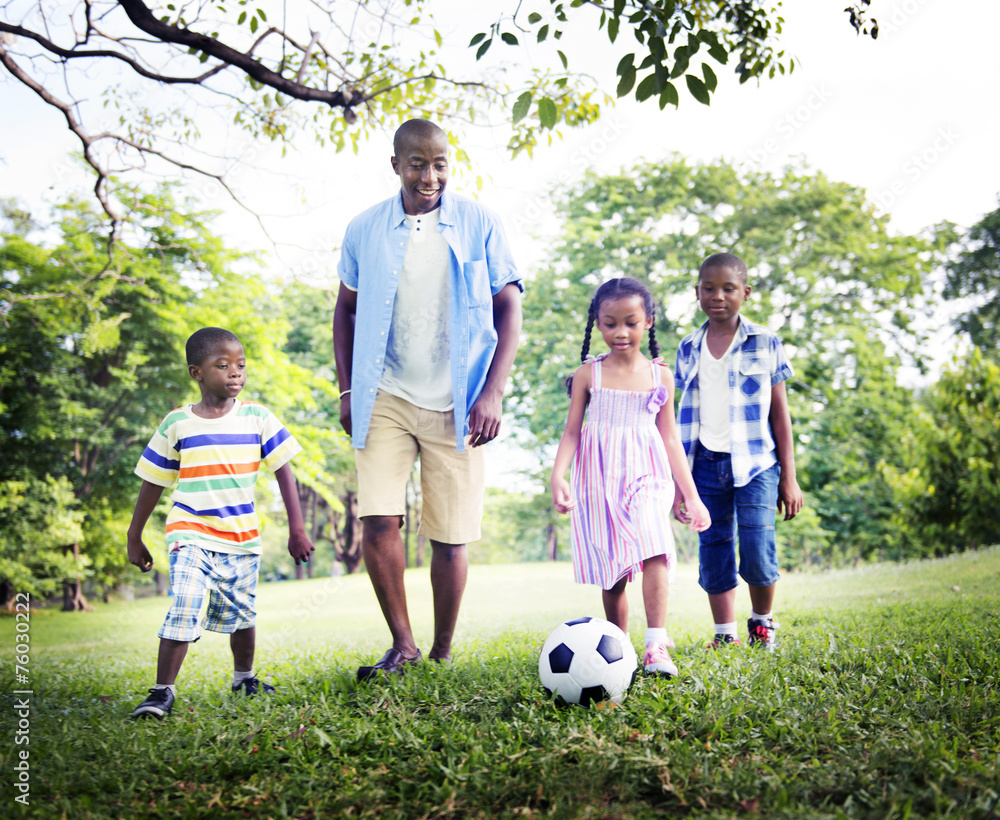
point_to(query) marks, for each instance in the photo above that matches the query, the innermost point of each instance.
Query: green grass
(882, 703)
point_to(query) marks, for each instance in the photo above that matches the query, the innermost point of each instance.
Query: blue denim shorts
(747, 512)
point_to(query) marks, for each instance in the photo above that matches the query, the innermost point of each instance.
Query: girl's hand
(680, 513)
(698, 515)
(562, 497)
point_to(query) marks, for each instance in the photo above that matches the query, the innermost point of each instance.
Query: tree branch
(69, 54)
(143, 19)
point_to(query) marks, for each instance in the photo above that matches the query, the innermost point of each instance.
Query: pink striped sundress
(622, 485)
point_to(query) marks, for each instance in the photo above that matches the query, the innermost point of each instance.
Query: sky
(911, 117)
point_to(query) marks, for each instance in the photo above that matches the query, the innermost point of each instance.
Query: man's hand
(345, 413)
(484, 418)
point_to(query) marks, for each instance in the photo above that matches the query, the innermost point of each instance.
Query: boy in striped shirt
(213, 450)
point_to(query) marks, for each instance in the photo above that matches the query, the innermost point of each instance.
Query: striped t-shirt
(214, 463)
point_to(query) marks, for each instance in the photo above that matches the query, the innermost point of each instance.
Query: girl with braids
(625, 460)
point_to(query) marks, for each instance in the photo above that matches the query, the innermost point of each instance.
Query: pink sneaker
(656, 661)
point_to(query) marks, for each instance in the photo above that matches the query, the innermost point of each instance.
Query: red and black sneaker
(724, 639)
(762, 633)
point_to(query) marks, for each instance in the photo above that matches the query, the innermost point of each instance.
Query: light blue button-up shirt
(481, 265)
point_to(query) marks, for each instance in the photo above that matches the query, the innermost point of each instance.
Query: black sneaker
(724, 639)
(158, 704)
(253, 686)
(762, 633)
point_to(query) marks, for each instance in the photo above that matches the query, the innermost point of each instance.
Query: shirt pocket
(477, 283)
(754, 375)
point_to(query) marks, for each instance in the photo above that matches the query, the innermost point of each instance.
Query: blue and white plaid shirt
(757, 362)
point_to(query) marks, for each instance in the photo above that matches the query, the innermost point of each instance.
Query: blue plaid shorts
(231, 582)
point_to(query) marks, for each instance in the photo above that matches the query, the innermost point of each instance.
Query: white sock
(656, 636)
(756, 616)
(726, 629)
(239, 677)
(171, 686)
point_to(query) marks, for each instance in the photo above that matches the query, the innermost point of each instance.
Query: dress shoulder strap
(595, 380)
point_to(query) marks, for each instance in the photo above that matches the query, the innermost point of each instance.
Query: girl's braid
(654, 347)
(591, 316)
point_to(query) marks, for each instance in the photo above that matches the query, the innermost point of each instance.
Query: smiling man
(425, 330)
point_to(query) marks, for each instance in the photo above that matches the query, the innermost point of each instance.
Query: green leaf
(261, 15)
(253, 24)
(534, 17)
(521, 107)
(543, 32)
(719, 53)
(624, 64)
(562, 57)
(669, 96)
(242, 18)
(484, 48)
(509, 38)
(697, 89)
(477, 38)
(548, 114)
(613, 29)
(646, 88)
(711, 81)
(626, 82)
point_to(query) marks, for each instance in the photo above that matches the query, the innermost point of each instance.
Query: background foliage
(92, 357)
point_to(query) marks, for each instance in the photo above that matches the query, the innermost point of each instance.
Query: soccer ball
(587, 660)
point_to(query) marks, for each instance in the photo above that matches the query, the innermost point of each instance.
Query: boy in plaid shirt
(737, 432)
(211, 452)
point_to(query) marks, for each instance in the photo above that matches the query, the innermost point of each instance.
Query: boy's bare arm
(149, 497)
(299, 545)
(789, 493)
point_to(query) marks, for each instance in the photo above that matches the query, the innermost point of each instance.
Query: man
(425, 330)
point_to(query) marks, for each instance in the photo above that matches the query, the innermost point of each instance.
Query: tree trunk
(349, 535)
(73, 600)
(314, 530)
(552, 542)
(407, 519)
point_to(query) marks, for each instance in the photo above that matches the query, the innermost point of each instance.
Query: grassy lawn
(881, 703)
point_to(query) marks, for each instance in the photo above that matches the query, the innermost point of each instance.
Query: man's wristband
(345, 392)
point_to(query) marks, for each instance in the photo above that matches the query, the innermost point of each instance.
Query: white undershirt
(418, 353)
(713, 384)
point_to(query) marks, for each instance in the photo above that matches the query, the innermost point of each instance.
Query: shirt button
(388, 302)
(395, 273)
(377, 361)
(401, 244)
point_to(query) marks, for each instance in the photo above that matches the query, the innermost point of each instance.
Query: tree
(38, 517)
(356, 65)
(843, 294)
(948, 489)
(975, 277)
